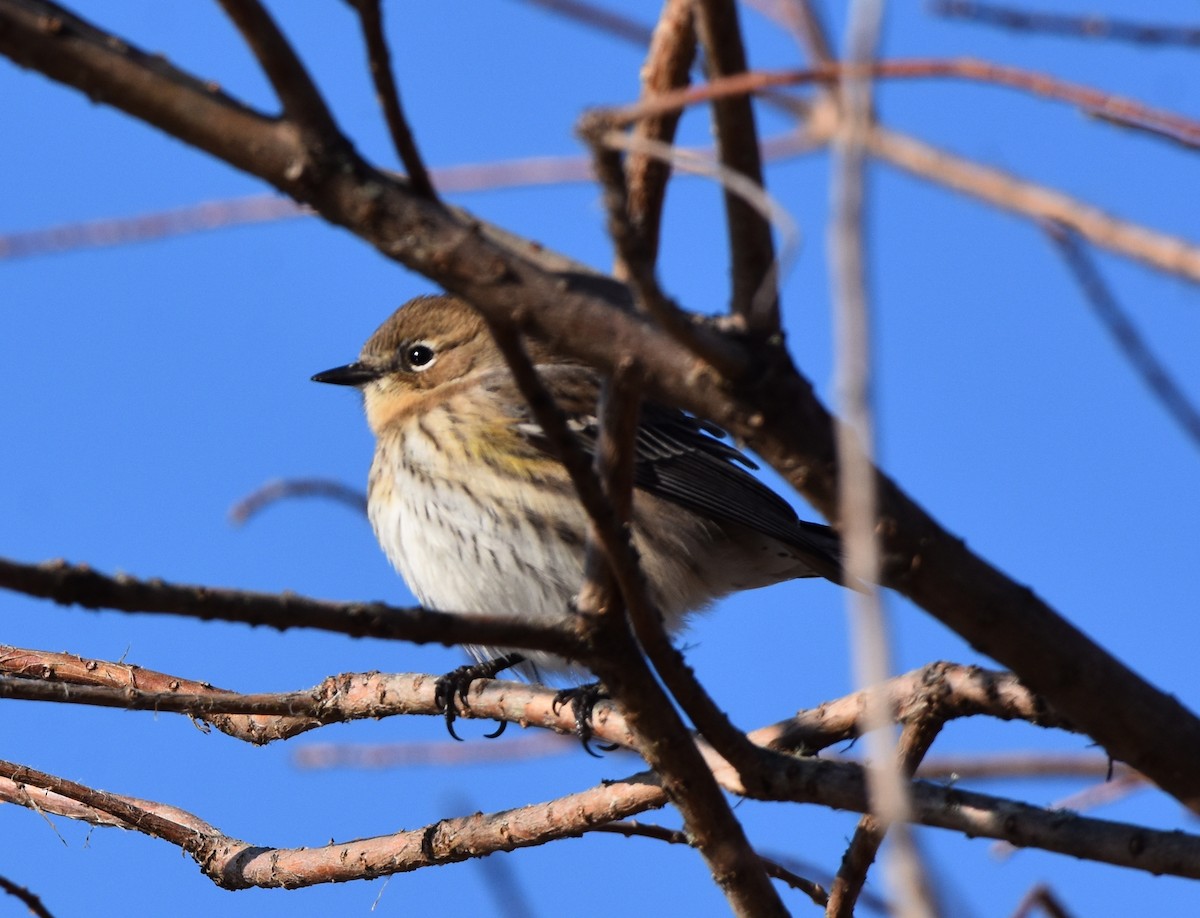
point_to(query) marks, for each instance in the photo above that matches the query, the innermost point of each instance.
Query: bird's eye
(419, 356)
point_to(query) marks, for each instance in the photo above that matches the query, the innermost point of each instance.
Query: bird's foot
(583, 700)
(456, 683)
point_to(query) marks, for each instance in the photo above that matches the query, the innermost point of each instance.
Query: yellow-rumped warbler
(472, 507)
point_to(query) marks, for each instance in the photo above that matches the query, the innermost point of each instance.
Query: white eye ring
(419, 356)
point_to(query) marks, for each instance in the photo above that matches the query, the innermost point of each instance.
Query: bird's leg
(458, 682)
(583, 700)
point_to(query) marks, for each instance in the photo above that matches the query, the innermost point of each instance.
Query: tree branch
(755, 296)
(79, 585)
(370, 15)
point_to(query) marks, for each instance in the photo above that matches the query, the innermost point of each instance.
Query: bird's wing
(679, 458)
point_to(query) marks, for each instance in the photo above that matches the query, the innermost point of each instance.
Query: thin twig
(755, 295)
(803, 20)
(888, 768)
(370, 15)
(598, 18)
(27, 898)
(234, 864)
(287, 488)
(1092, 101)
(1040, 897)
(668, 62)
(736, 185)
(301, 99)
(634, 252)
(79, 585)
(1159, 250)
(1091, 27)
(916, 738)
(1166, 391)
(630, 828)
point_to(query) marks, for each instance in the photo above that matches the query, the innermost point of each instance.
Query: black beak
(352, 374)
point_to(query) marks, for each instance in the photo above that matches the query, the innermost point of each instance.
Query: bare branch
(634, 829)
(915, 740)
(1040, 897)
(755, 299)
(27, 898)
(286, 488)
(234, 864)
(80, 585)
(1091, 27)
(599, 18)
(301, 99)
(1125, 334)
(802, 18)
(1092, 101)
(672, 51)
(370, 15)
(889, 766)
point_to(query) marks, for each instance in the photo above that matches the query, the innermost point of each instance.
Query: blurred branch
(634, 829)
(525, 748)
(370, 16)
(889, 764)
(1094, 27)
(1092, 101)
(27, 898)
(1043, 898)
(596, 17)
(915, 897)
(1166, 253)
(1166, 391)
(287, 488)
(802, 18)
(79, 585)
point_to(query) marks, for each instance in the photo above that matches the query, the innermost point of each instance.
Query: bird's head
(430, 344)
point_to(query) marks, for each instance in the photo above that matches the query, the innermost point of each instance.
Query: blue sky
(149, 387)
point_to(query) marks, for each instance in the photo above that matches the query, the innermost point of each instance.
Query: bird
(471, 505)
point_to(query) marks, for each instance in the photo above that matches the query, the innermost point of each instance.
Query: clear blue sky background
(147, 388)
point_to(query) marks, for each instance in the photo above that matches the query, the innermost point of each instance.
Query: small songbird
(470, 504)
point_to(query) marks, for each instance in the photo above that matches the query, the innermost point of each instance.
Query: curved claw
(458, 683)
(501, 726)
(583, 700)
